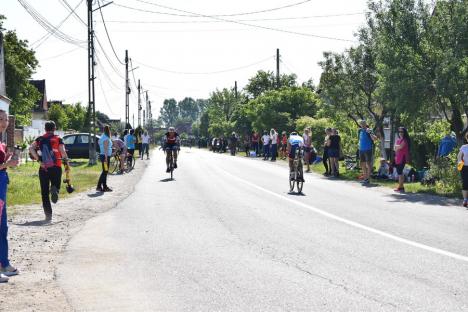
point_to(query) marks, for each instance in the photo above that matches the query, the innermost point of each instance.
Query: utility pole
(235, 89)
(139, 103)
(127, 92)
(145, 112)
(91, 94)
(277, 69)
(133, 121)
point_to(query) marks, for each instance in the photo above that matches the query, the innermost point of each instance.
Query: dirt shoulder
(36, 248)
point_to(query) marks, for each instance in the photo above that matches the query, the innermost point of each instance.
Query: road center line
(353, 223)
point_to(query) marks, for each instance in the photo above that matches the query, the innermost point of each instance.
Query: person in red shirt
(255, 140)
(49, 150)
(6, 160)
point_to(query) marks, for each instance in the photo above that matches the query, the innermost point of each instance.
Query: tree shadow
(424, 199)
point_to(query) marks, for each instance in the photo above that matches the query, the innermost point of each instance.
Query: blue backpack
(48, 158)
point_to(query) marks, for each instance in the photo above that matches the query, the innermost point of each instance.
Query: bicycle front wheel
(300, 178)
(114, 164)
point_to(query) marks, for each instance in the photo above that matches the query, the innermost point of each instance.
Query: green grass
(414, 187)
(24, 185)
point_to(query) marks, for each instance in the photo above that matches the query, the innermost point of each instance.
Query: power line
(243, 13)
(107, 33)
(49, 27)
(59, 55)
(203, 73)
(240, 20)
(251, 25)
(105, 97)
(44, 38)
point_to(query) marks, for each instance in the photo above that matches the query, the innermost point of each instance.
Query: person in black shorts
(325, 157)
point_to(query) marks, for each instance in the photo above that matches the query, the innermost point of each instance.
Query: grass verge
(24, 188)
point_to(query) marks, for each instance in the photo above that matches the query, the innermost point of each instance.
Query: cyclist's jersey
(296, 140)
(171, 139)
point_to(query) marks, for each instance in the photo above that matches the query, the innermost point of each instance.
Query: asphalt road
(225, 235)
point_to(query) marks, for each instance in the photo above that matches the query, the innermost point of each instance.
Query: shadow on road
(296, 194)
(97, 194)
(37, 223)
(423, 199)
(167, 180)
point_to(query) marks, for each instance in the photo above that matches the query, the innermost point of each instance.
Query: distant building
(41, 106)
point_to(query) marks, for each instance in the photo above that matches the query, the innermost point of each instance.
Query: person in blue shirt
(366, 147)
(446, 145)
(130, 141)
(105, 148)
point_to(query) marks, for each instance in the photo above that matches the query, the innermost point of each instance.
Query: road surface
(225, 235)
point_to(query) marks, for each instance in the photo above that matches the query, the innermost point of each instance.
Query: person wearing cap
(366, 146)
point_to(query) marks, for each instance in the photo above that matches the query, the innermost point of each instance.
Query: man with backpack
(366, 148)
(49, 150)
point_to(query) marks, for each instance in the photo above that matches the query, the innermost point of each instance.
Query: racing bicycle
(296, 177)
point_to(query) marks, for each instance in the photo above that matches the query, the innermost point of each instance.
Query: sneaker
(175, 165)
(107, 189)
(3, 278)
(465, 203)
(365, 181)
(399, 189)
(54, 194)
(98, 189)
(9, 271)
(48, 218)
(168, 170)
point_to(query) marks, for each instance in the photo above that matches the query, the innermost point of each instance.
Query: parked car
(77, 145)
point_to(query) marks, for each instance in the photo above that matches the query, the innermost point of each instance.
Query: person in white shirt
(145, 140)
(266, 145)
(295, 142)
(274, 144)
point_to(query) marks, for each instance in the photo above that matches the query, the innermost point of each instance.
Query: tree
(266, 80)
(169, 112)
(76, 116)
(20, 64)
(188, 109)
(280, 108)
(58, 114)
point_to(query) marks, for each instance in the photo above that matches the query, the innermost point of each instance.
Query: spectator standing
(334, 142)
(325, 158)
(255, 142)
(284, 145)
(7, 160)
(402, 147)
(366, 147)
(145, 140)
(266, 145)
(105, 147)
(139, 144)
(274, 144)
(307, 147)
(246, 142)
(233, 144)
(130, 142)
(52, 151)
(463, 168)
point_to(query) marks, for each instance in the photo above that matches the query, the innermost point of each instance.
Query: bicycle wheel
(114, 164)
(291, 184)
(130, 163)
(299, 183)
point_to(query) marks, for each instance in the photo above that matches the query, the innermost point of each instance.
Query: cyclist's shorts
(171, 147)
(292, 152)
(122, 152)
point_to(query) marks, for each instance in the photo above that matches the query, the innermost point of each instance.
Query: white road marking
(353, 223)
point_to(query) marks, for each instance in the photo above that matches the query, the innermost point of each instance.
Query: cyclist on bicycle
(120, 151)
(171, 141)
(295, 142)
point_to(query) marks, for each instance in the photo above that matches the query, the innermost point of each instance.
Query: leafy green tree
(280, 108)
(266, 80)
(169, 112)
(20, 64)
(188, 109)
(76, 115)
(58, 114)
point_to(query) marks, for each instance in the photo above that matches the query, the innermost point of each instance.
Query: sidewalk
(36, 248)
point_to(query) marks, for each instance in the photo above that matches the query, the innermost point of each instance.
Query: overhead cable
(203, 73)
(108, 37)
